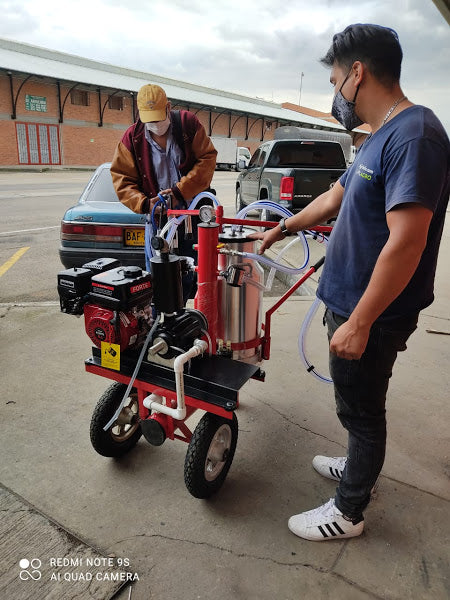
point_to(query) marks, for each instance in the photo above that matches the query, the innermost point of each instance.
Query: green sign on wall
(36, 103)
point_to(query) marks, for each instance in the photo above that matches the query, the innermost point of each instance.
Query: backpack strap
(177, 130)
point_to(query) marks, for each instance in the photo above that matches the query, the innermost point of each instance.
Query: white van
(242, 153)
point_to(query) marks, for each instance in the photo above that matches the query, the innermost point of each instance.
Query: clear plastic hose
(271, 263)
(148, 339)
(302, 342)
(273, 270)
(147, 243)
(171, 225)
(174, 223)
(275, 265)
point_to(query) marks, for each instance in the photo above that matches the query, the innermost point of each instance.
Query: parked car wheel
(239, 204)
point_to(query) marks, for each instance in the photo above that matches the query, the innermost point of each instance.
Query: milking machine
(166, 360)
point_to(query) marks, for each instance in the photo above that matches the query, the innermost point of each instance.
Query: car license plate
(134, 237)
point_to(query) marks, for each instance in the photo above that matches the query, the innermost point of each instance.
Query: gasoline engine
(120, 303)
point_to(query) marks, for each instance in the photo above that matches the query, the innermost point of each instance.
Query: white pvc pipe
(154, 401)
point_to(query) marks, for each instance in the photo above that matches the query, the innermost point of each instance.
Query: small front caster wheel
(125, 432)
(210, 454)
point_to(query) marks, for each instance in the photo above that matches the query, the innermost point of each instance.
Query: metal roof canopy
(443, 7)
(28, 59)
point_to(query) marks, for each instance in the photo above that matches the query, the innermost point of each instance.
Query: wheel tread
(102, 441)
(200, 442)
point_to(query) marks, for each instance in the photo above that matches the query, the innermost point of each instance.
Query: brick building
(60, 110)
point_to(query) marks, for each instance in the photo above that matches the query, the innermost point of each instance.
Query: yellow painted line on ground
(14, 258)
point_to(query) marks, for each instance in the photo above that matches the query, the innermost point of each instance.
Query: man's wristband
(284, 229)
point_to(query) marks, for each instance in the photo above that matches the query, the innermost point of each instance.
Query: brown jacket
(132, 166)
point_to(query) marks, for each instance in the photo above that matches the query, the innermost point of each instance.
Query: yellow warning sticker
(110, 356)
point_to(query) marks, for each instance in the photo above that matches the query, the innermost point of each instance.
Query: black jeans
(360, 388)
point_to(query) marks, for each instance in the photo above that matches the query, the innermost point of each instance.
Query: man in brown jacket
(164, 151)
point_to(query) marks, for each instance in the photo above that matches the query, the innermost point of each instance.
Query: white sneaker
(331, 467)
(325, 523)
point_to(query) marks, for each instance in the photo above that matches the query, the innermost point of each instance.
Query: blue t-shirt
(406, 160)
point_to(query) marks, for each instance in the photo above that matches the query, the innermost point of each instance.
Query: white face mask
(158, 127)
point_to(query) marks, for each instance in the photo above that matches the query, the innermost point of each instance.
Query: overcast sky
(254, 47)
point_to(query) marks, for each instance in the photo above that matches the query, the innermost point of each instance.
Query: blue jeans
(360, 388)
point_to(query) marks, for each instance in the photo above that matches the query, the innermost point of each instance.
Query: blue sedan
(101, 226)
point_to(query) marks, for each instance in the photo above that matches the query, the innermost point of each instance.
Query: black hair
(376, 46)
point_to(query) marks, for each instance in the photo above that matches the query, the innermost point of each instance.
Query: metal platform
(213, 379)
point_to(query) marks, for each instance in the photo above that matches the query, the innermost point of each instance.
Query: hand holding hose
(157, 199)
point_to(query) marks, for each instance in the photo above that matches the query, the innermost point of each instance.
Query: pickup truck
(289, 172)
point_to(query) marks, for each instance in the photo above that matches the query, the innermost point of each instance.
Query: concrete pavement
(235, 546)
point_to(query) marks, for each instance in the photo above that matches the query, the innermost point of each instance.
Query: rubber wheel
(210, 454)
(125, 432)
(239, 204)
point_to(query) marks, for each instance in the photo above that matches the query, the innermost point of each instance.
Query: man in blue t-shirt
(381, 258)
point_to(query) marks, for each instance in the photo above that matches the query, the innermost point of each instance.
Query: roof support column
(14, 99)
(100, 112)
(11, 89)
(253, 124)
(58, 86)
(64, 103)
(218, 115)
(231, 130)
(102, 109)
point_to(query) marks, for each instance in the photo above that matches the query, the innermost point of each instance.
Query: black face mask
(344, 110)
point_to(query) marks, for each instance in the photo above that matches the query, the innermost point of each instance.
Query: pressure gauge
(206, 214)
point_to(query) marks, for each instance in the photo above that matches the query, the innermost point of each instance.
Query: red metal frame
(206, 297)
(269, 313)
(144, 388)
(205, 301)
